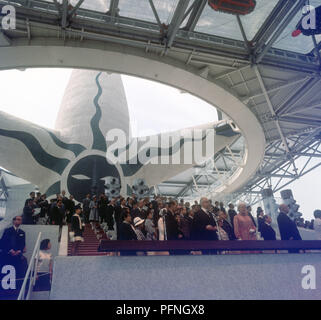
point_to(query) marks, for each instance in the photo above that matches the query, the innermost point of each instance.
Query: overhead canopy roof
(275, 75)
(209, 21)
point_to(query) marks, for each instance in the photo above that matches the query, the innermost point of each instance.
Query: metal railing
(31, 273)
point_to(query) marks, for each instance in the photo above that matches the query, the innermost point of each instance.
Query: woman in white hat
(139, 228)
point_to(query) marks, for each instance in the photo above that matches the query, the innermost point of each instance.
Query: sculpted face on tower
(87, 176)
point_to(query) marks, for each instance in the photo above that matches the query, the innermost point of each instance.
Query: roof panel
(141, 9)
(301, 44)
(219, 24)
(253, 21)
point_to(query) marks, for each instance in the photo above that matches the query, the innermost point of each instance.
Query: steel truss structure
(279, 169)
(282, 88)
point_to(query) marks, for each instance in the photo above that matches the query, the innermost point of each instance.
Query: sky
(35, 95)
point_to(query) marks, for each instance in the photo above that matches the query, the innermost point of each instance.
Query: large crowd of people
(130, 218)
(160, 218)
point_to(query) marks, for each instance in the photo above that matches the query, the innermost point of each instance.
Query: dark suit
(172, 230)
(110, 216)
(267, 232)
(288, 228)
(186, 227)
(126, 232)
(201, 220)
(102, 209)
(44, 205)
(76, 227)
(58, 215)
(138, 213)
(27, 216)
(232, 213)
(118, 217)
(229, 230)
(260, 222)
(85, 207)
(70, 206)
(13, 239)
(27, 201)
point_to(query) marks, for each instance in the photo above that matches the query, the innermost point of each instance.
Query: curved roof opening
(153, 107)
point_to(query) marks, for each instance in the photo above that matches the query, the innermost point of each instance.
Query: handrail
(176, 245)
(31, 271)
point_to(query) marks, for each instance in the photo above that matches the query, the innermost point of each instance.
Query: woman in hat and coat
(77, 229)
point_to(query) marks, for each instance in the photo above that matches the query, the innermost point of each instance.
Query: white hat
(138, 221)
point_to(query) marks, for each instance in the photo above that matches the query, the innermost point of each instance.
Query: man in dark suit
(118, 214)
(231, 212)
(204, 225)
(28, 212)
(267, 232)
(110, 214)
(127, 231)
(13, 245)
(58, 214)
(287, 227)
(139, 211)
(172, 228)
(32, 198)
(64, 197)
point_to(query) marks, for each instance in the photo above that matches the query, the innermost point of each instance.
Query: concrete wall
(261, 276)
